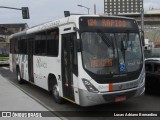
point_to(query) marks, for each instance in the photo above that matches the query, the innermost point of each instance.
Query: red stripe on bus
(110, 87)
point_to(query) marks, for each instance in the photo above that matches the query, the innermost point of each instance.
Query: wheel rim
(55, 92)
(18, 76)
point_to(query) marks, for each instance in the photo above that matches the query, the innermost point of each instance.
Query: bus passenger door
(67, 65)
(30, 60)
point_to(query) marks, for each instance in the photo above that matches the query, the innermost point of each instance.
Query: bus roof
(60, 22)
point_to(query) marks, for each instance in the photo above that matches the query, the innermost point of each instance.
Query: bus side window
(22, 45)
(52, 42)
(14, 45)
(40, 44)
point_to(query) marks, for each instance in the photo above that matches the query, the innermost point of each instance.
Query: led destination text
(118, 23)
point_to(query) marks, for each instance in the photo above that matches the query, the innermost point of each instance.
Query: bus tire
(55, 93)
(19, 79)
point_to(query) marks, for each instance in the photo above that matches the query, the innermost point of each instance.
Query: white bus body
(52, 57)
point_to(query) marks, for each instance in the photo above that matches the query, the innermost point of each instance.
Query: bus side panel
(43, 66)
(13, 62)
(22, 62)
(59, 61)
(76, 90)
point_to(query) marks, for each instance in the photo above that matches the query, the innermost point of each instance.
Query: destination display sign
(101, 63)
(107, 22)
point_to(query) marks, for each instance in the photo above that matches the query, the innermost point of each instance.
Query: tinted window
(40, 44)
(22, 45)
(52, 42)
(14, 45)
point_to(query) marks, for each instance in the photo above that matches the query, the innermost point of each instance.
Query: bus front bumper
(89, 99)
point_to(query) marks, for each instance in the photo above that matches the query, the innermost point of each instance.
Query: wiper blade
(124, 45)
(106, 39)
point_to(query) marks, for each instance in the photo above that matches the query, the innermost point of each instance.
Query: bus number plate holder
(119, 99)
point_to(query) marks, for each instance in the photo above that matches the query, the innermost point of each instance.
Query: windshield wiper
(124, 45)
(124, 41)
(107, 41)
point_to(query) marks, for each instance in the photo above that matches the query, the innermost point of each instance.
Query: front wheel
(55, 92)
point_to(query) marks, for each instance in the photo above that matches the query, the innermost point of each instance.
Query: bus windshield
(111, 53)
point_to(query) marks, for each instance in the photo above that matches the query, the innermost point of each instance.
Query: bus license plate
(119, 99)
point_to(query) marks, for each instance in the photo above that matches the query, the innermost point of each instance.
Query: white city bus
(86, 59)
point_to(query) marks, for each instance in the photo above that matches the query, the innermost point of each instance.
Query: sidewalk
(13, 99)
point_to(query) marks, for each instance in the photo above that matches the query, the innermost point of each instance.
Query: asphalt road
(145, 103)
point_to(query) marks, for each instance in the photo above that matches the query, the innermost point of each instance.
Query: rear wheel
(55, 92)
(19, 79)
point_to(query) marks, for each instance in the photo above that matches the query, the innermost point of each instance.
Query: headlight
(89, 86)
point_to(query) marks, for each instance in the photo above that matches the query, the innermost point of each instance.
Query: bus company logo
(120, 87)
(40, 63)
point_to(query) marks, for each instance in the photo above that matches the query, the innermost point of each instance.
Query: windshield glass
(111, 53)
(129, 51)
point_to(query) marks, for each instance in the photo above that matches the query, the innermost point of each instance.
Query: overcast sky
(45, 10)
